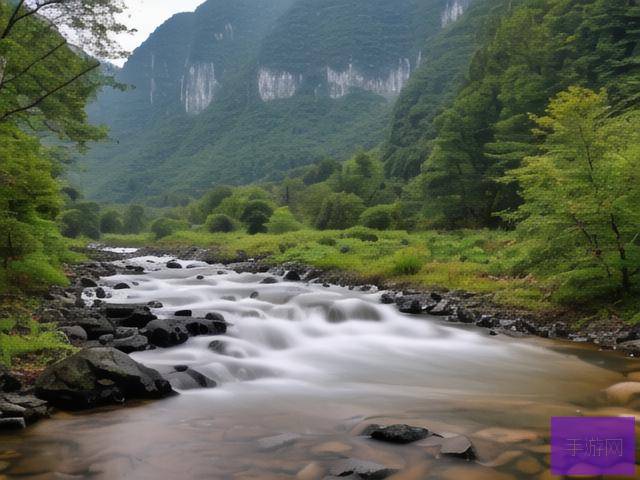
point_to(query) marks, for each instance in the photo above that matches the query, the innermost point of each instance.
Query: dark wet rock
(24, 406)
(361, 469)
(560, 330)
(277, 441)
(326, 285)
(155, 304)
(51, 315)
(465, 316)
(410, 306)
(125, 332)
(214, 316)
(10, 410)
(99, 376)
(191, 266)
(133, 343)
(442, 308)
(87, 283)
(183, 313)
(228, 298)
(632, 333)
(135, 268)
(398, 433)
(435, 296)
(129, 315)
(218, 346)
(8, 382)
(200, 277)
(173, 264)
(106, 339)
(493, 333)
(269, 280)
(487, 321)
(630, 348)
(458, 446)
(254, 295)
(121, 286)
(292, 276)
(12, 424)
(101, 293)
(166, 332)
(387, 298)
(93, 324)
(188, 379)
(205, 326)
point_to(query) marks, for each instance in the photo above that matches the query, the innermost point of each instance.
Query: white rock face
(227, 32)
(198, 87)
(341, 82)
(274, 85)
(453, 11)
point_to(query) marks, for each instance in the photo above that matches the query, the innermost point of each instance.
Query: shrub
(111, 222)
(218, 222)
(213, 198)
(163, 227)
(255, 222)
(339, 211)
(362, 234)
(16, 240)
(254, 206)
(283, 221)
(407, 262)
(327, 241)
(379, 217)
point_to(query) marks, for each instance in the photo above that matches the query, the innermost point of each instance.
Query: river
(320, 363)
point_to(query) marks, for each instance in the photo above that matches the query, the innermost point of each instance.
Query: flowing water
(320, 363)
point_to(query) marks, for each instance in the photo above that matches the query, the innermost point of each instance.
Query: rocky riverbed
(291, 375)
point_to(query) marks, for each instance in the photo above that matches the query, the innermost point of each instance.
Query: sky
(146, 15)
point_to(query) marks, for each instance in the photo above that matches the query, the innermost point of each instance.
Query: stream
(319, 364)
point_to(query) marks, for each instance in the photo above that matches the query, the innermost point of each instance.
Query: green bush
(111, 222)
(362, 234)
(379, 217)
(283, 221)
(406, 262)
(328, 241)
(163, 227)
(218, 222)
(339, 211)
(134, 219)
(256, 222)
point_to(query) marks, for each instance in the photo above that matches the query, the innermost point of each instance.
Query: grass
(473, 261)
(24, 341)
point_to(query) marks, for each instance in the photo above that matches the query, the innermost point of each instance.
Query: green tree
(283, 221)
(581, 195)
(218, 222)
(256, 206)
(163, 227)
(213, 198)
(380, 217)
(134, 219)
(339, 211)
(111, 222)
(361, 175)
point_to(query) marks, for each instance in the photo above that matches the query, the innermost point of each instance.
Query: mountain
(243, 90)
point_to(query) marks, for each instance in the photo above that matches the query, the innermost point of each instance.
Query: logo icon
(593, 446)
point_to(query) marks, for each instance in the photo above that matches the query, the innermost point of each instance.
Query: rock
(214, 316)
(94, 326)
(129, 315)
(268, 280)
(155, 304)
(204, 326)
(493, 333)
(8, 383)
(126, 332)
(99, 376)
(254, 295)
(442, 308)
(166, 333)
(188, 379)
(630, 334)
(10, 410)
(487, 321)
(121, 286)
(183, 313)
(12, 424)
(459, 446)
(292, 276)
(312, 471)
(387, 299)
(100, 293)
(560, 330)
(360, 469)
(410, 306)
(466, 316)
(51, 315)
(22, 405)
(106, 339)
(630, 348)
(398, 433)
(217, 346)
(133, 343)
(173, 264)
(277, 441)
(135, 268)
(624, 392)
(199, 277)
(87, 283)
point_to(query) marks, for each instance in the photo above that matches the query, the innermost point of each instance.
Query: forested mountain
(242, 90)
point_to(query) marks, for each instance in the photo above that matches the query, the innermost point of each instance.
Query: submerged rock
(187, 379)
(292, 276)
(277, 441)
(99, 376)
(459, 446)
(121, 286)
(397, 433)
(166, 332)
(361, 469)
(173, 264)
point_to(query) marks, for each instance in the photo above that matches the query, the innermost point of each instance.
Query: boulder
(410, 306)
(101, 293)
(129, 315)
(75, 333)
(215, 316)
(397, 433)
(95, 326)
(155, 304)
(8, 383)
(12, 424)
(188, 379)
(173, 264)
(166, 332)
(387, 299)
(121, 286)
(205, 326)
(458, 446)
(487, 321)
(277, 441)
(24, 406)
(99, 376)
(133, 343)
(183, 313)
(465, 316)
(630, 348)
(442, 308)
(362, 469)
(268, 281)
(87, 283)
(292, 276)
